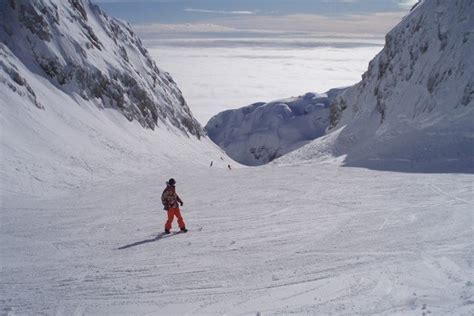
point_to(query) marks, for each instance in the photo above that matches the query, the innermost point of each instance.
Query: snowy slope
(71, 142)
(81, 99)
(414, 108)
(259, 133)
(306, 240)
(81, 217)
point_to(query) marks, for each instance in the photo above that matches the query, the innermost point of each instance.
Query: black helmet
(171, 181)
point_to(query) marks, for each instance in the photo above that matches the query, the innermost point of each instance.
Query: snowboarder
(170, 200)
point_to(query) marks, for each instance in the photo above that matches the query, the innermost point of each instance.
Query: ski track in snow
(305, 239)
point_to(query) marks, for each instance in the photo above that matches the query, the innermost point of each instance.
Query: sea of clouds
(221, 72)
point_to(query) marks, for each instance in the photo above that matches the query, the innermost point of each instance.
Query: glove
(181, 203)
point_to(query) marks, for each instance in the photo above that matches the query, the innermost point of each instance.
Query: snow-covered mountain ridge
(425, 66)
(78, 48)
(259, 133)
(413, 108)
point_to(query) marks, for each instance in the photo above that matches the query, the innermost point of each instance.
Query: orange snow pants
(172, 212)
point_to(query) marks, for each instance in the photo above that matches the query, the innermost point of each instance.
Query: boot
(184, 230)
(167, 231)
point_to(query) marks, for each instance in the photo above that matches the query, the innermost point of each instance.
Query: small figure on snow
(212, 162)
(228, 166)
(170, 200)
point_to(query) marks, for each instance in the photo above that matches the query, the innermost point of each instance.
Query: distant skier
(212, 162)
(228, 166)
(170, 200)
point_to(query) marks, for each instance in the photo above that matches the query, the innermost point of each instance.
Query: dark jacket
(170, 198)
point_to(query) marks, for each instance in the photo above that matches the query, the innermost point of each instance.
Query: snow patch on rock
(77, 47)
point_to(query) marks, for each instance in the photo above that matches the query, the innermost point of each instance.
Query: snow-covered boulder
(83, 52)
(259, 133)
(414, 108)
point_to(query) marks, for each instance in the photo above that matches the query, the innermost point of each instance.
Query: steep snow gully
(81, 219)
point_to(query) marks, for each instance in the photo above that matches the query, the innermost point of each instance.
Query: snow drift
(414, 108)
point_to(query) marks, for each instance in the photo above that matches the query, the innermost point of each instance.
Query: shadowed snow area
(306, 239)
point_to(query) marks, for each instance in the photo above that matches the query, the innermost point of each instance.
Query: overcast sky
(340, 16)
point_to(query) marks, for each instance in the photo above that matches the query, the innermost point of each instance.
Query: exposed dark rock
(109, 74)
(34, 21)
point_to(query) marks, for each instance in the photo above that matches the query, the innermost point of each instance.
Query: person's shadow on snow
(138, 243)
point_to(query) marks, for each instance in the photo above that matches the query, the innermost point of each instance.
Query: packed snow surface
(306, 239)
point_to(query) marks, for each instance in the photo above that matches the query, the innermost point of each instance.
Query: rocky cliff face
(425, 66)
(414, 107)
(85, 53)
